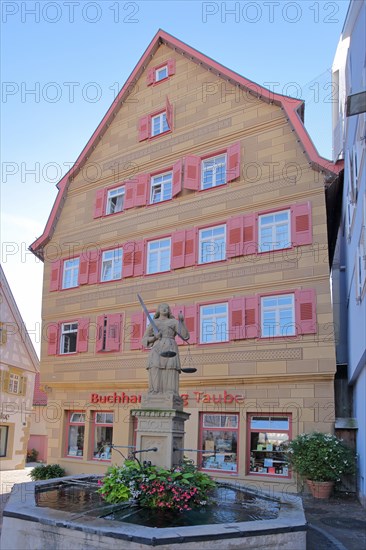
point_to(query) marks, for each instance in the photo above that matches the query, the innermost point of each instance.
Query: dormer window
(161, 73)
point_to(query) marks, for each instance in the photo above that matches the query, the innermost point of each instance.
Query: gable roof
(22, 330)
(294, 109)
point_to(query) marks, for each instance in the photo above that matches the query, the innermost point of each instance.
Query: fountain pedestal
(160, 424)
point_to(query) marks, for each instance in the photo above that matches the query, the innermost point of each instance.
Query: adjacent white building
(349, 264)
(19, 366)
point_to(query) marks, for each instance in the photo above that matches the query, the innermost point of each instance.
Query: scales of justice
(160, 421)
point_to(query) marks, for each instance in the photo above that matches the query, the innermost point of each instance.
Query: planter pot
(320, 489)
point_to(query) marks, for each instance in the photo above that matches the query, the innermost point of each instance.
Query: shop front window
(267, 438)
(75, 434)
(103, 435)
(219, 441)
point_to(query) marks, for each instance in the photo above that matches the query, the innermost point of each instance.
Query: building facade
(203, 190)
(349, 266)
(19, 365)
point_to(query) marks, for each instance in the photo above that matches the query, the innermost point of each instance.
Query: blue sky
(64, 61)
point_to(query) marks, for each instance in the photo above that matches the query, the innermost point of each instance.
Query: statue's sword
(151, 320)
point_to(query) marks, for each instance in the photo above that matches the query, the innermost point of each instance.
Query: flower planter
(320, 489)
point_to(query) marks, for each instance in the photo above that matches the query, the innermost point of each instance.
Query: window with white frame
(75, 434)
(69, 334)
(103, 435)
(70, 275)
(214, 323)
(278, 316)
(213, 171)
(14, 383)
(111, 265)
(274, 231)
(212, 244)
(161, 188)
(158, 256)
(159, 124)
(161, 73)
(115, 200)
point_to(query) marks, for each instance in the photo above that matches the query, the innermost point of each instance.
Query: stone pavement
(335, 524)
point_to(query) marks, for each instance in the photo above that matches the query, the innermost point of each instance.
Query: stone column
(161, 425)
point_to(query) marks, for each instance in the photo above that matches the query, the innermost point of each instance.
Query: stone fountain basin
(28, 526)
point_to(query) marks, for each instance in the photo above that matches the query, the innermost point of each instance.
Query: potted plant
(322, 459)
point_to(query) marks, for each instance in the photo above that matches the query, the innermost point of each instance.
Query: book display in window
(219, 442)
(268, 436)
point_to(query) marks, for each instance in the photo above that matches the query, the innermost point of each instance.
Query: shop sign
(224, 398)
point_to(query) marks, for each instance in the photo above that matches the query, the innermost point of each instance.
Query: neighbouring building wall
(349, 70)
(18, 367)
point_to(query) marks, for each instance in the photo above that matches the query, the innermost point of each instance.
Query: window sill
(151, 138)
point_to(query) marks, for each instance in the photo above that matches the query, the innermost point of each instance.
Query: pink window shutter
(169, 113)
(252, 326)
(175, 312)
(93, 267)
(305, 308)
(99, 203)
(139, 259)
(99, 337)
(178, 249)
(177, 178)
(55, 275)
(141, 193)
(233, 162)
(52, 332)
(190, 247)
(150, 76)
(113, 336)
(143, 127)
(237, 318)
(192, 172)
(171, 67)
(128, 257)
(82, 340)
(84, 269)
(137, 330)
(250, 244)
(301, 230)
(129, 201)
(191, 320)
(234, 240)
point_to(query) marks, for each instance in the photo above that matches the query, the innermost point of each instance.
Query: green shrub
(48, 471)
(320, 457)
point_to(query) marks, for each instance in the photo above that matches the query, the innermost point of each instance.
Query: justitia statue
(163, 362)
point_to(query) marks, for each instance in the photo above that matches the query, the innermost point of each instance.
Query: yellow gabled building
(202, 189)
